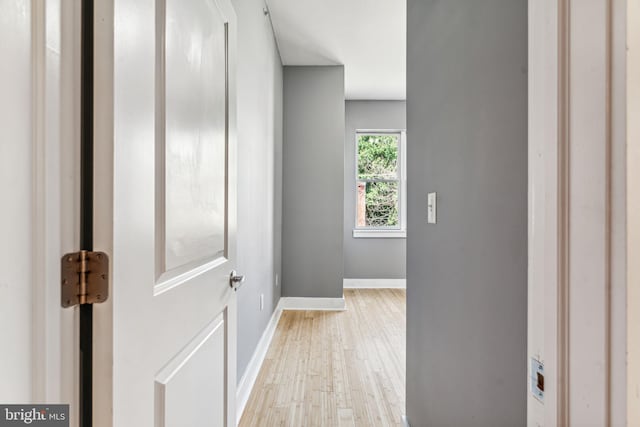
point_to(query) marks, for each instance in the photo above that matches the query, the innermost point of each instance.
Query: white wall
(259, 86)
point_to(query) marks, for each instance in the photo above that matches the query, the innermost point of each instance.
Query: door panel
(170, 323)
(200, 365)
(194, 141)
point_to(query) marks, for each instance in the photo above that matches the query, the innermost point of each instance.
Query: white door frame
(633, 208)
(103, 205)
(55, 134)
(578, 324)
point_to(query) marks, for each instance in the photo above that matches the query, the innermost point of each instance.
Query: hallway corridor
(327, 368)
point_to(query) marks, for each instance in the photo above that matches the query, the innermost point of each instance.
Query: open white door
(165, 212)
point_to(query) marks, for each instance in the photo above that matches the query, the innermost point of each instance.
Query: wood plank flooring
(330, 369)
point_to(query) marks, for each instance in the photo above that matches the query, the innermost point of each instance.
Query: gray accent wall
(313, 171)
(467, 274)
(367, 258)
(259, 86)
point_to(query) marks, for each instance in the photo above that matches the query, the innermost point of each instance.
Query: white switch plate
(277, 280)
(431, 208)
(261, 302)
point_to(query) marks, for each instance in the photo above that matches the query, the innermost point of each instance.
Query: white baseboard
(374, 283)
(405, 421)
(297, 303)
(253, 369)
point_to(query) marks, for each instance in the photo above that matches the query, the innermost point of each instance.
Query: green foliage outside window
(378, 165)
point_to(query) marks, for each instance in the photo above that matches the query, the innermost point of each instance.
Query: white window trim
(360, 233)
(380, 232)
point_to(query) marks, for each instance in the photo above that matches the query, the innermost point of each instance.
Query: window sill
(379, 234)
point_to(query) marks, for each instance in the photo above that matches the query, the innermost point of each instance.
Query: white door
(165, 212)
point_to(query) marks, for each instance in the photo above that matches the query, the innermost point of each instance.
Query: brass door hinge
(85, 278)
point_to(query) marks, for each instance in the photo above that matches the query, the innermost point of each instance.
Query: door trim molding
(632, 274)
(566, 144)
(571, 135)
(563, 212)
(39, 202)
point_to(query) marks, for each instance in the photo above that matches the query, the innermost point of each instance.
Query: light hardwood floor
(327, 368)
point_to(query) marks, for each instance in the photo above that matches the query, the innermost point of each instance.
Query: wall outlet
(261, 302)
(277, 280)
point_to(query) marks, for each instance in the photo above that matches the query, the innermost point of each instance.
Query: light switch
(431, 208)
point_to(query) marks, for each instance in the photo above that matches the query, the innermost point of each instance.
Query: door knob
(235, 280)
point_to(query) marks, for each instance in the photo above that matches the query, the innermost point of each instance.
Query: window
(380, 184)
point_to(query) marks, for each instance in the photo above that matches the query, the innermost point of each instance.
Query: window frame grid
(383, 231)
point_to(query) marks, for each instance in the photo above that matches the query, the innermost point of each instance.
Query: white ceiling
(367, 36)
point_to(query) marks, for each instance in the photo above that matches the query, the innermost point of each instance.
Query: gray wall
(313, 170)
(369, 258)
(467, 274)
(259, 179)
